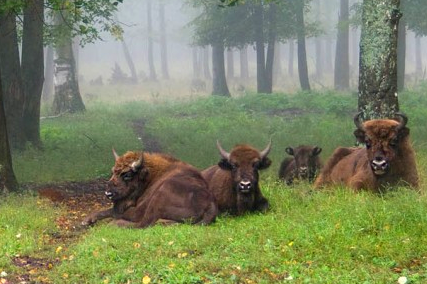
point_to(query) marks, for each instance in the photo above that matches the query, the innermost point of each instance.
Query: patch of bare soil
(150, 143)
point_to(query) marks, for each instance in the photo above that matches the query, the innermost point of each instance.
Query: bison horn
(265, 152)
(137, 164)
(357, 121)
(116, 157)
(224, 154)
(403, 119)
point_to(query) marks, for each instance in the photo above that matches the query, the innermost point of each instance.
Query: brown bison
(388, 158)
(148, 188)
(303, 165)
(234, 181)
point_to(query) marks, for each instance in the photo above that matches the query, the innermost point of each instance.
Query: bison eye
(393, 142)
(127, 176)
(368, 144)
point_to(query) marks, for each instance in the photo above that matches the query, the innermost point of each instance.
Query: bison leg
(123, 223)
(95, 217)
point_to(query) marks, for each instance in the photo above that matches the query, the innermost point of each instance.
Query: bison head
(382, 138)
(127, 173)
(244, 162)
(305, 159)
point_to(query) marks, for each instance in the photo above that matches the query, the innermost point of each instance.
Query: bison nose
(109, 194)
(303, 170)
(245, 186)
(379, 165)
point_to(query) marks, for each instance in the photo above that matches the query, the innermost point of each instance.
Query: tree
(378, 59)
(342, 68)
(302, 55)
(163, 43)
(7, 176)
(152, 71)
(33, 69)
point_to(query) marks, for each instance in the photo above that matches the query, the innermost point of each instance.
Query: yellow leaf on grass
(146, 279)
(65, 275)
(58, 249)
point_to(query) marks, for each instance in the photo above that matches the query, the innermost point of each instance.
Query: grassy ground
(332, 236)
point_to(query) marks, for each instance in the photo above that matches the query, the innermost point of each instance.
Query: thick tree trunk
(219, 84)
(302, 56)
(318, 46)
(277, 64)
(230, 64)
(259, 45)
(163, 43)
(152, 70)
(33, 68)
(8, 181)
(401, 55)
(67, 93)
(206, 69)
(244, 66)
(14, 97)
(378, 59)
(48, 74)
(271, 41)
(291, 58)
(342, 68)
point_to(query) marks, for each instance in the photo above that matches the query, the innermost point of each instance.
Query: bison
(388, 158)
(147, 188)
(234, 181)
(303, 165)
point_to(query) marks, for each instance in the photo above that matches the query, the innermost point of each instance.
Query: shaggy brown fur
(234, 181)
(387, 160)
(148, 188)
(303, 165)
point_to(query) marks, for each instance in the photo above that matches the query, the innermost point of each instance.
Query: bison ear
(316, 151)
(360, 135)
(289, 150)
(404, 132)
(264, 163)
(225, 165)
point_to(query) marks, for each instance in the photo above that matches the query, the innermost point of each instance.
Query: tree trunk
(318, 46)
(378, 59)
(259, 45)
(302, 56)
(277, 64)
(163, 43)
(230, 64)
(48, 74)
(33, 68)
(271, 41)
(291, 58)
(67, 94)
(244, 67)
(219, 84)
(206, 69)
(401, 55)
(341, 71)
(8, 181)
(129, 60)
(13, 97)
(152, 70)
(418, 58)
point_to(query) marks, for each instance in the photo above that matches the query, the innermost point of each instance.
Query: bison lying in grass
(388, 158)
(149, 188)
(234, 181)
(303, 165)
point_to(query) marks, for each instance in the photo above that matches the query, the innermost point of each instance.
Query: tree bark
(302, 56)
(152, 70)
(378, 59)
(14, 97)
(48, 74)
(206, 69)
(318, 46)
(230, 64)
(219, 83)
(271, 42)
(67, 94)
(244, 67)
(342, 68)
(277, 64)
(129, 60)
(8, 181)
(163, 43)
(33, 68)
(401, 55)
(259, 45)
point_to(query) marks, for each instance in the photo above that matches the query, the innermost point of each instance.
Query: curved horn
(403, 119)
(357, 121)
(116, 157)
(223, 153)
(265, 152)
(137, 164)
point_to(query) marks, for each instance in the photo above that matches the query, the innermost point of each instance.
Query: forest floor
(78, 199)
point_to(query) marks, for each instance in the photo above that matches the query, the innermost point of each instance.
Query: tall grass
(332, 236)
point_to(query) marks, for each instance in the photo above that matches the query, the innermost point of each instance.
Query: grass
(331, 236)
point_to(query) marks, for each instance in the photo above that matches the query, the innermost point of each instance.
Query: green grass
(332, 236)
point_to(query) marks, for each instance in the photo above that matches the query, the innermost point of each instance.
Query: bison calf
(388, 158)
(303, 165)
(148, 188)
(235, 180)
